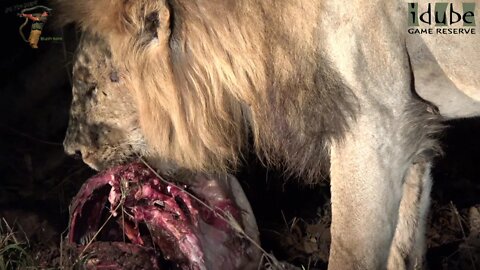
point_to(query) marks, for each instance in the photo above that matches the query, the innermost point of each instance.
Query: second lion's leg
(408, 246)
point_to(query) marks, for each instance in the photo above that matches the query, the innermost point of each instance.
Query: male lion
(104, 130)
(314, 83)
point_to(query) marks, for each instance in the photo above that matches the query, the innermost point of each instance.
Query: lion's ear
(98, 16)
(115, 16)
(157, 23)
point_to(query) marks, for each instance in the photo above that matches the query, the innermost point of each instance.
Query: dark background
(37, 180)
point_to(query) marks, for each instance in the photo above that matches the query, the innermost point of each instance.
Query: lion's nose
(73, 151)
(71, 147)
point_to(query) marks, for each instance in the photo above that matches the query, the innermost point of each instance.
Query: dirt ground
(38, 180)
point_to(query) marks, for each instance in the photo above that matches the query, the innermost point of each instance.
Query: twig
(90, 241)
(457, 215)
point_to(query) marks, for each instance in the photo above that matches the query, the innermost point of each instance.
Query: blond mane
(207, 86)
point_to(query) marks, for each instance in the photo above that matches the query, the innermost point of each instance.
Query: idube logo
(442, 18)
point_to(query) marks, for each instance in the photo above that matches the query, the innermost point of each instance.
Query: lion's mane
(209, 75)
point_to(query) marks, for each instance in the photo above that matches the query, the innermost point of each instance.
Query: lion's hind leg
(408, 246)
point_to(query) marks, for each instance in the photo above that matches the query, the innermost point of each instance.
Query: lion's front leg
(367, 170)
(380, 184)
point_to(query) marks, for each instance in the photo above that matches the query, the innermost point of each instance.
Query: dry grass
(14, 253)
(454, 237)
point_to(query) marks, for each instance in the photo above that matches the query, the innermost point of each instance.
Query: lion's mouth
(90, 159)
(128, 215)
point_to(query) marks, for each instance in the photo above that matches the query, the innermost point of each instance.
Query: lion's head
(103, 125)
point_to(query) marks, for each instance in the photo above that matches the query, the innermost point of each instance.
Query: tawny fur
(215, 87)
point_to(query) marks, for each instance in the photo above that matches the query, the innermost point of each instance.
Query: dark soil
(38, 180)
